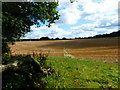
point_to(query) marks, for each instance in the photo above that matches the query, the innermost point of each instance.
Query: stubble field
(102, 49)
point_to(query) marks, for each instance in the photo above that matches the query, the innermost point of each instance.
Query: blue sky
(82, 18)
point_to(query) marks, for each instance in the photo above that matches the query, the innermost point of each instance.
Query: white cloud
(96, 11)
(85, 27)
(99, 27)
(70, 14)
(54, 32)
(104, 14)
(44, 31)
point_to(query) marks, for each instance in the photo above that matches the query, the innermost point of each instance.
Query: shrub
(27, 74)
(5, 48)
(7, 59)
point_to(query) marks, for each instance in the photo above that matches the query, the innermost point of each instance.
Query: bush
(5, 48)
(7, 59)
(27, 74)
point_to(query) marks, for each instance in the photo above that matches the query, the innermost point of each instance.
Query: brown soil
(104, 49)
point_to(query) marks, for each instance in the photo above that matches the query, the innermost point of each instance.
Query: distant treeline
(113, 34)
(45, 38)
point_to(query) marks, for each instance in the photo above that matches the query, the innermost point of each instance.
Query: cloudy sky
(81, 18)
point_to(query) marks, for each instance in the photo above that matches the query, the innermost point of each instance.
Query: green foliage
(6, 59)
(74, 73)
(5, 48)
(17, 17)
(12, 79)
(42, 59)
(27, 74)
(44, 38)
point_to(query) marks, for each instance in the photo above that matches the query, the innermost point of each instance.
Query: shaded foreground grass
(74, 73)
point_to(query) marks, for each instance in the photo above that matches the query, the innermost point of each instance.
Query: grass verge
(74, 73)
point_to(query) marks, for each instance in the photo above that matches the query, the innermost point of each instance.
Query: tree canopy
(17, 17)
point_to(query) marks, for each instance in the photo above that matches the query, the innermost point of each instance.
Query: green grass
(74, 73)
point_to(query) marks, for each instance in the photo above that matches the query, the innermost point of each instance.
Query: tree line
(44, 38)
(113, 34)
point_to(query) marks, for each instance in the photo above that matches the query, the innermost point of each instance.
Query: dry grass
(104, 49)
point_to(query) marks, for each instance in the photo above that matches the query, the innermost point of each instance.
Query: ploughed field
(102, 49)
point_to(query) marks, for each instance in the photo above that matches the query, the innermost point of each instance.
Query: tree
(17, 17)
(64, 38)
(44, 38)
(57, 38)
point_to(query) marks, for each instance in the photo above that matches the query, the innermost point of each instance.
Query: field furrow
(103, 49)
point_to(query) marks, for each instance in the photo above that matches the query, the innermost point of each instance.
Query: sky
(82, 18)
